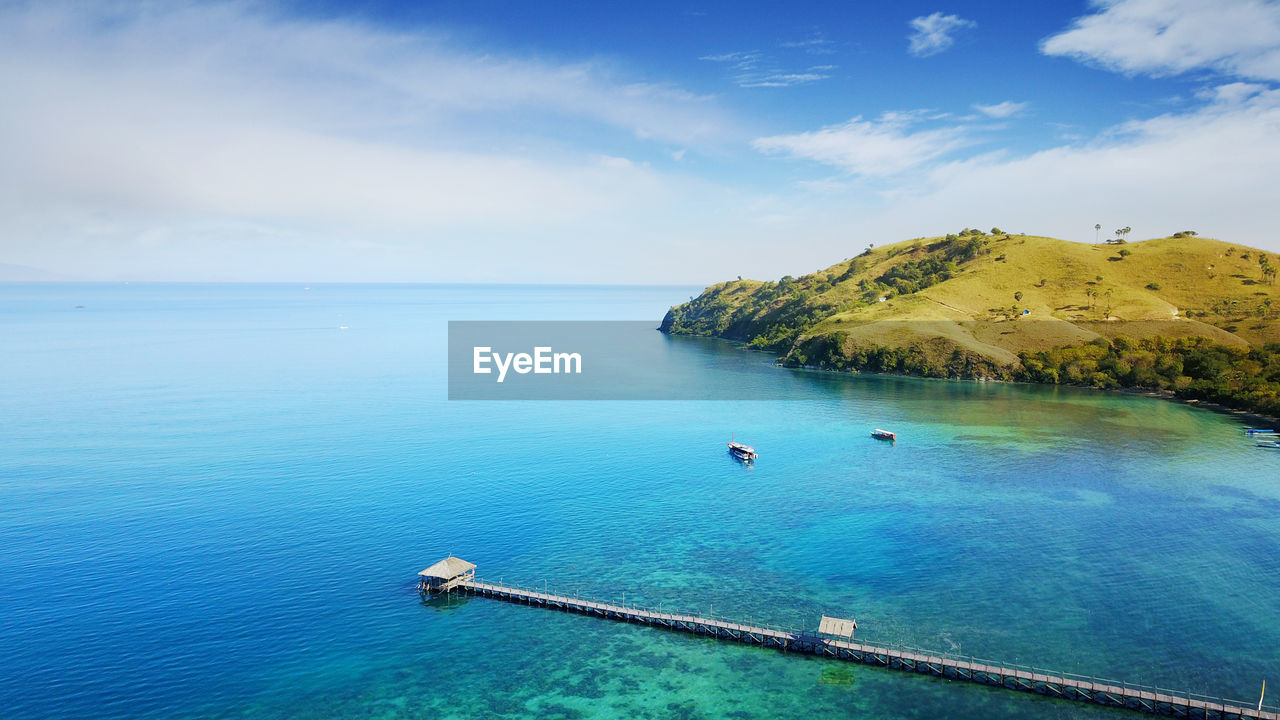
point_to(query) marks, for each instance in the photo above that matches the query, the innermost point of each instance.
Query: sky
(638, 143)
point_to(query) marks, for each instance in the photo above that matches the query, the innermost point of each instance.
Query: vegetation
(1192, 368)
(973, 304)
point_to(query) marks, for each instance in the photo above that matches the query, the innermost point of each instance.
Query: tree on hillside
(1017, 297)
(1121, 233)
(1124, 254)
(1091, 294)
(1096, 229)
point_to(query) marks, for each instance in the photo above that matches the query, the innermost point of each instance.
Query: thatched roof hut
(447, 574)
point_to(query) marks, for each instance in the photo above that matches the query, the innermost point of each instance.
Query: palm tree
(1096, 229)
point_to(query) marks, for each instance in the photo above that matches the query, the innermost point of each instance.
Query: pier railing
(1026, 677)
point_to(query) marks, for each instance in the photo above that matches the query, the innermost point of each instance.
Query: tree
(1096, 229)
(1017, 296)
(1125, 254)
(1121, 233)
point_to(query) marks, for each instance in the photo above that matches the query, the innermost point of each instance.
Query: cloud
(816, 44)
(753, 69)
(1213, 169)
(933, 33)
(877, 148)
(1002, 110)
(783, 79)
(226, 140)
(1239, 38)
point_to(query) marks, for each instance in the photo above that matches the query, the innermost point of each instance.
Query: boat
(883, 434)
(1269, 444)
(1257, 431)
(746, 453)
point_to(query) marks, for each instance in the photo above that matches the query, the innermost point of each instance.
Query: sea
(214, 500)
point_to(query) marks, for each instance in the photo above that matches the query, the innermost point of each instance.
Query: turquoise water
(215, 502)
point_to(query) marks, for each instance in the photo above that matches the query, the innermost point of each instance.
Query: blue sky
(600, 142)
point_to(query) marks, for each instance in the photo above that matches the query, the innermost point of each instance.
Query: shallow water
(215, 502)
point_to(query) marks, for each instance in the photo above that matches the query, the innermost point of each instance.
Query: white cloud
(933, 34)
(1213, 170)
(816, 44)
(877, 148)
(783, 79)
(1167, 37)
(752, 69)
(224, 141)
(1001, 110)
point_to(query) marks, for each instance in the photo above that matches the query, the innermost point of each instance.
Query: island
(1183, 315)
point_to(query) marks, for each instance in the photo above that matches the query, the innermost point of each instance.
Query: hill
(995, 305)
(23, 273)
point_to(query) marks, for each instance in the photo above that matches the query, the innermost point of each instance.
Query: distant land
(23, 273)
(1192, 316)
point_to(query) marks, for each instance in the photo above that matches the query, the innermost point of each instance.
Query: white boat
(742, 452)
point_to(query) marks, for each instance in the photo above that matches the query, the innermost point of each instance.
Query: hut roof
(837, 626)
(449, 567)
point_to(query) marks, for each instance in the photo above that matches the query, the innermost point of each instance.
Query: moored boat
(742, 452)
(883, 434)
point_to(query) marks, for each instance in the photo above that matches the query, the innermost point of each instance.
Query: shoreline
(1257, 419)
(1254, 418)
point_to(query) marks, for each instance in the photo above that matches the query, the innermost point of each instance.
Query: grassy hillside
(986, 305)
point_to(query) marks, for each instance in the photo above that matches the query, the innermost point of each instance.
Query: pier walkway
(1023, 678)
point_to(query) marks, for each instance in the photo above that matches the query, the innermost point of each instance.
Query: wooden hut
(837, 626)
(446, 575)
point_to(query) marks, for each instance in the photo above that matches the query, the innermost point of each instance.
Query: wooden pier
(1068, 686)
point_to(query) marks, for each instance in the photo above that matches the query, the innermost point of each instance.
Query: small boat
(746, 453)
(1269, 444)
(883, 434)
(1256, 431)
